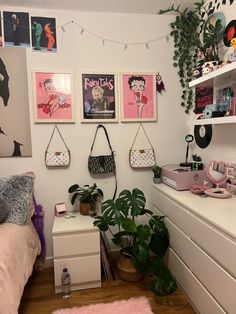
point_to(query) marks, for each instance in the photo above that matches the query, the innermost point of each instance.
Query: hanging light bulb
(103, 42)
(125, 46)
(147, 45)
(81, 31)
(63, 28)
(167, 38)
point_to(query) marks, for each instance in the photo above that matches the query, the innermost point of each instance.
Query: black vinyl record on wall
(203, 135)
(230, 33)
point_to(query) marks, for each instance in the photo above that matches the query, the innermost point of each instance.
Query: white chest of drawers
(202, 253)
(76, 245)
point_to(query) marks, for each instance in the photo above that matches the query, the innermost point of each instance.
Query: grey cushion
(4, 209)
(17, 191)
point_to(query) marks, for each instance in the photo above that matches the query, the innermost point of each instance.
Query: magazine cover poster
(99, 97)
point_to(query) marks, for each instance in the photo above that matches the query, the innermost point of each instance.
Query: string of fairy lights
(103, 40)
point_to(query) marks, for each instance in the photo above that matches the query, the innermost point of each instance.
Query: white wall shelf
(217, 77)
(221, 120)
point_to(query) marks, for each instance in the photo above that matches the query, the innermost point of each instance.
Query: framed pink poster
(53, 101)
(138, 99)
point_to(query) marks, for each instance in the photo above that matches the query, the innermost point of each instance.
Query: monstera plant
(144, 243)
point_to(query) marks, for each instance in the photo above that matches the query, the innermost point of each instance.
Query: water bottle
(65, 283)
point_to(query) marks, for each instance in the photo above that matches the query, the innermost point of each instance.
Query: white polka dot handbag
(142, 158)
(57, 158)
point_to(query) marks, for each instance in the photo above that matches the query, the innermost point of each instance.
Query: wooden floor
(39, 297)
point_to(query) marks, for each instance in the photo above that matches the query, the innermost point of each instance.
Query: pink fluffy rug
(131, 306)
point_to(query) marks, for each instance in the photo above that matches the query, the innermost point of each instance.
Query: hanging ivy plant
(185, 32)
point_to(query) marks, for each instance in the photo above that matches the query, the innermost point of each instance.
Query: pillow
(32, 207)
(17, 191)
(4, 209)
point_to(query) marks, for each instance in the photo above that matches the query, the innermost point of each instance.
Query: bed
(19, 240)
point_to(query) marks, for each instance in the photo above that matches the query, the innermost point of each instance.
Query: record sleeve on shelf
(203, 97)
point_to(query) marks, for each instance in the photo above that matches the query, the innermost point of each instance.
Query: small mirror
(217, 172)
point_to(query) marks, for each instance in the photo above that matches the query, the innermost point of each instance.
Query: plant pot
(85, 209)
(126, 269)
(156, 180)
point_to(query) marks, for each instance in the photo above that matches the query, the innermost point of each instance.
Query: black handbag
(102, 164)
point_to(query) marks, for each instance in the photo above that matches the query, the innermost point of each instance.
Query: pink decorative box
(60, 209)
(181, 178)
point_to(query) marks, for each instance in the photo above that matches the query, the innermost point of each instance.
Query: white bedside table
(76, 245)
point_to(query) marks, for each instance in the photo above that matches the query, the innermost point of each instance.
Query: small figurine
(233, 42)
(197, 72)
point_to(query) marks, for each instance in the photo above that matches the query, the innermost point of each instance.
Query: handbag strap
(56, 128)
(140, 125)
(114, 195)
(105, 130)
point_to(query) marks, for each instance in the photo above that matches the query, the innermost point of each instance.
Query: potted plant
(142, 245)
(208, 52)
(157, 174)
(88, 197)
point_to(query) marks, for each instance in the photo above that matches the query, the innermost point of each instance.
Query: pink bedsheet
(19, 247)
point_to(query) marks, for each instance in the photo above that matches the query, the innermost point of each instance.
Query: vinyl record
(203, 135)
(230, 33)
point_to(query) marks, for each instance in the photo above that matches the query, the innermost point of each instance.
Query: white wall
(77, 53)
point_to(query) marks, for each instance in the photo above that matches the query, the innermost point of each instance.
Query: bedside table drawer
(81, 269)
(76, 244)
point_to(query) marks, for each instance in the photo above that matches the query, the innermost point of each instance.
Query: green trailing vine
(195, 42)
(185, 32)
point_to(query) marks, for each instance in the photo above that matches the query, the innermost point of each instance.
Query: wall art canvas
(53, 101)
(99, 97)
(16, 29)
(43, 34)
(15, 137)
(138, 99)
